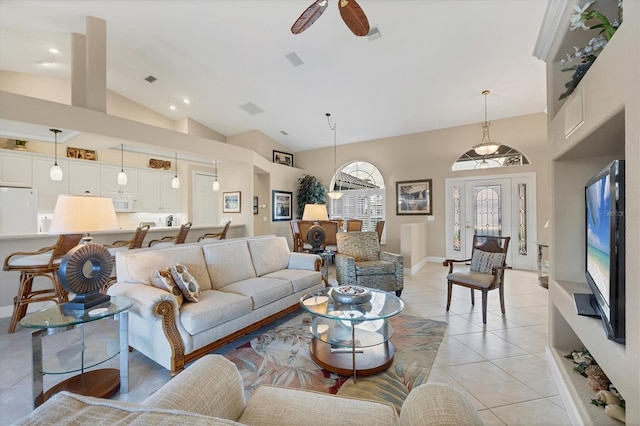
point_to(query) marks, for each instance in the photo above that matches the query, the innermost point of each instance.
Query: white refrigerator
(18, 211)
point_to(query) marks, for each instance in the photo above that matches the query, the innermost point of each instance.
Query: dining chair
(354, 225)
(486, 270)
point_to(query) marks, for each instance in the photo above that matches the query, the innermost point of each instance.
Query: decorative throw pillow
(164, 280)
(187, 283)
(483, 261)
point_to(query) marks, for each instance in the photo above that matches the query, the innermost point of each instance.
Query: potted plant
(310, 191)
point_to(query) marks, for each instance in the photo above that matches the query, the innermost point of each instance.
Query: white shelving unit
(596, 124)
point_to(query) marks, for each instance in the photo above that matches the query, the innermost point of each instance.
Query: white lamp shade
(335, 195)
(486, 148)
(79, 214)
(315, 212)
(122, 178)
(175, 182)
(55, 172)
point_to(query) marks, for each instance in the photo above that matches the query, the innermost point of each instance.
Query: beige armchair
(359, 261)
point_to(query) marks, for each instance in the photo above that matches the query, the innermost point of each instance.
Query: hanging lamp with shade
(216, 184)
(122, 176)
(175, 182)
(55, 173)
(333, 194)
(486, 146)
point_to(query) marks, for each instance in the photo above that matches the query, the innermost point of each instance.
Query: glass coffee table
(351, 338)
(77, 358)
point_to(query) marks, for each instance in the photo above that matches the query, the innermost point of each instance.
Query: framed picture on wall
(414, 197)
(255, 205)
(231, 202)
(282, 205)
(285, 158)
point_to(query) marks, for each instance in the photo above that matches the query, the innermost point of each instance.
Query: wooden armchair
(360, 261)
(486, 270)
(379, 229)
(219, 235)
(179, 238)
(354, 225)
(295, 234)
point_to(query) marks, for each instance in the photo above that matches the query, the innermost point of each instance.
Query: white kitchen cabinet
(84, 176)
(48, 190)
(155, 193)
(109, 182)
(16, 170)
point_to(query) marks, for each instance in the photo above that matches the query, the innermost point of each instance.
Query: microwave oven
(125, 204)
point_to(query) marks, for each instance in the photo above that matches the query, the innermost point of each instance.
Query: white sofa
(210, 392)
(245, 284)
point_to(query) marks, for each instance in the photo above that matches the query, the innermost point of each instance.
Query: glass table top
(382, 305)
(56, 316)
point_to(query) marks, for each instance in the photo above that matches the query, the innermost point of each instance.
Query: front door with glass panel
(498, 206)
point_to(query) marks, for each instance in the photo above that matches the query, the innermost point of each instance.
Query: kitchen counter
(33, 242)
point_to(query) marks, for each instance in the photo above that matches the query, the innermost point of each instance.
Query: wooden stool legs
(27, 295)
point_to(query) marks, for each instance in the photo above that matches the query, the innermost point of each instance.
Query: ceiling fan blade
(309, 16)
(354, 17)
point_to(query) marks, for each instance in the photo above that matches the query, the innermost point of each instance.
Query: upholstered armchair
(359, 261)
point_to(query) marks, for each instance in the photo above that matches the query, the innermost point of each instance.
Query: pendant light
(122, 176)
(486, 147)
(175, 182)
(333, 194)
(216, 184)
(55, 173)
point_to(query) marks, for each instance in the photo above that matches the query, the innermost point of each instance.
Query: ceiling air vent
(151, 79)
(294, 59)
(284, 132)
(252, 108)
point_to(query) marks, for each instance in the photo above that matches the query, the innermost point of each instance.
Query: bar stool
(179, 238)
(42, 263)
(122, 245)
(219, 235)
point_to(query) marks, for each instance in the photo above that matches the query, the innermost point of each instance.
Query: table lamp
(86, 267)
(316, 235)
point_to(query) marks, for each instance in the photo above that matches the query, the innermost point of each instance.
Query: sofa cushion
(186, 282)
(269, 254)
(271, 405)
(164, 280)
(214, 308)
(71, 409)
(138, 266)
(301, 279)
(375, 267)
(261, 290)
(228, 263)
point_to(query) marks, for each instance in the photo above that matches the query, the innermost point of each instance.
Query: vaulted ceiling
(426, 70)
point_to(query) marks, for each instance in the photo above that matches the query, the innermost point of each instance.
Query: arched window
(503, 157)
(364, 194)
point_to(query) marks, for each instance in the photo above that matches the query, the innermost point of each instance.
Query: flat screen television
(605, 248)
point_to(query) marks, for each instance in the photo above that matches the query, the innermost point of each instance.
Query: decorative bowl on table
(351, 294)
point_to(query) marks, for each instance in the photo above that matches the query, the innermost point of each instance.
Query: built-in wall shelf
(596, 124)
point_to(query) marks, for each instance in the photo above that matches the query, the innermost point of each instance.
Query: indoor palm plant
(310, 191)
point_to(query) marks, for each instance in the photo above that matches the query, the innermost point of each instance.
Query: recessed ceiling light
(45, 63)
(54, 50)
(172, 107)
(186, 101)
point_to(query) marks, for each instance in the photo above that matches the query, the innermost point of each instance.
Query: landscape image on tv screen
(598, 234)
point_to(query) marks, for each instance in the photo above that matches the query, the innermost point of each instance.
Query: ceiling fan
(351, 13)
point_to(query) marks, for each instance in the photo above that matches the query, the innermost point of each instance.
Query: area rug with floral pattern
(281, 357)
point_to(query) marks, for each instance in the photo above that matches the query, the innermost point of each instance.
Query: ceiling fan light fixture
(486, 146)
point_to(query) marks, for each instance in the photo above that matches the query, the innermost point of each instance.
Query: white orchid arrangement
(588, 19)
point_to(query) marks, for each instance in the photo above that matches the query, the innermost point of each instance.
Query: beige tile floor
(501, 366)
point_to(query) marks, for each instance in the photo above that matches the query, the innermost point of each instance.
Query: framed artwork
(231, 202)
(255, 205)
(82, 154)
(282, 205)
(414, 197)
(285, 158)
